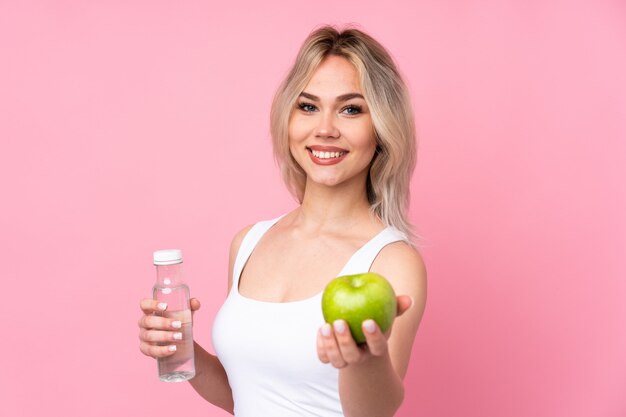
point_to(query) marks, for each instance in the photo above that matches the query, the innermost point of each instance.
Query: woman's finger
(348, 348)
(159, 336)
(321, 350)
(331, 347)
(376, 340)
(159, 323)
(155, 351)
(149, 305)
(404, 303)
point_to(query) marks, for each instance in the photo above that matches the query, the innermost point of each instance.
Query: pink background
(130, 126)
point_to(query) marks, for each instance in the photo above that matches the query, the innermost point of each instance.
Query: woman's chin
(324, 181)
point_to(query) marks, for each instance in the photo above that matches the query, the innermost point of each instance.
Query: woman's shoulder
(400, 252)
(235, 243)
(403, 266)
(241, 234)
(234, 249)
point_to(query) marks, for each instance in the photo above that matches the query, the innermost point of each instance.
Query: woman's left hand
(336, 346)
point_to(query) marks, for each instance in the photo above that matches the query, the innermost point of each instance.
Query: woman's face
(331, 134)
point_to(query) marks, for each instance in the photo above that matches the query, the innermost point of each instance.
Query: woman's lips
(326, 155)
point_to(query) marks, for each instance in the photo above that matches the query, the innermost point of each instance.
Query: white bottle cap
(168, 257)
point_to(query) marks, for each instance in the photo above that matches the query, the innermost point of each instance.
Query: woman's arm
(211, 381)
(371, 378)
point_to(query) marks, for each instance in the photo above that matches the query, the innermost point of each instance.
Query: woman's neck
(333, 208)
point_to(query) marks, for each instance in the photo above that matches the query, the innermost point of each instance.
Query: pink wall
(108, 107)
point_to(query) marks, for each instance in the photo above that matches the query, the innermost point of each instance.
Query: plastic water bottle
(171, 289)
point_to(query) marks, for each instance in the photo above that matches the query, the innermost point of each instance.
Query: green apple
(356, 298)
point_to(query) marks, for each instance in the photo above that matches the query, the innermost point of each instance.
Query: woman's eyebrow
(343, 97)
(346, 97)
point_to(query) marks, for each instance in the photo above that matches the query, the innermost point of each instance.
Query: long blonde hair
(392, 116)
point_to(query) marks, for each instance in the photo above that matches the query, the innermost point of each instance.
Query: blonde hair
(392, 116)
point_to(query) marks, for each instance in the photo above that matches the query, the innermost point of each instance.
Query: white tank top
(268, 349)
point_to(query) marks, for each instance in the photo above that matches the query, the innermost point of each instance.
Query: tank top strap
(362, 260)
(248, 244)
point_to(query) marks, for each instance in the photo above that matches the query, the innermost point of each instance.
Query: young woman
(343, 135)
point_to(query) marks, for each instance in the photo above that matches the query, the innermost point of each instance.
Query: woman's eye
(352, 109)
(306, 107)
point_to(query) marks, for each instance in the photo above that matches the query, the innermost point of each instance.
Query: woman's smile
(326, 155)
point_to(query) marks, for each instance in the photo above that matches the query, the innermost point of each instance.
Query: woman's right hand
(157, 334)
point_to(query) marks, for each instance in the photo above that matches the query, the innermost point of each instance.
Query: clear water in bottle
(171, 290)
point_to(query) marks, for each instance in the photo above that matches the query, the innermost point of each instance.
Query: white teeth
(327, 155)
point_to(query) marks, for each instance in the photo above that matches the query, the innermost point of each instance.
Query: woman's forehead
(335, 76)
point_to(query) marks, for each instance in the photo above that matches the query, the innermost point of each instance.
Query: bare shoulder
(234, 248)
(236, 241)
(404, 267)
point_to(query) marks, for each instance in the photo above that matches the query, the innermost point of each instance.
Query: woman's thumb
(194, 304)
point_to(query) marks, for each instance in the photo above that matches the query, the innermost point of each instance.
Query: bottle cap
(168, 257)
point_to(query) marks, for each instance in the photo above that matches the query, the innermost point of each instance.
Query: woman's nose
(327, 127)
